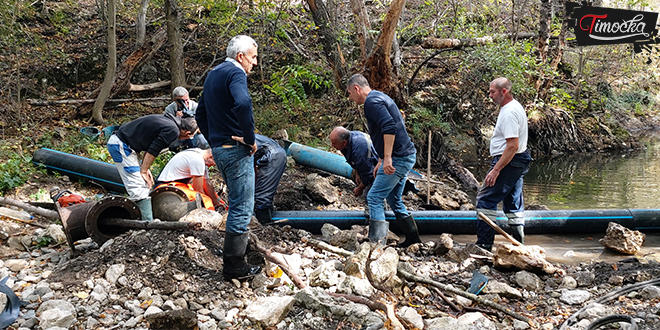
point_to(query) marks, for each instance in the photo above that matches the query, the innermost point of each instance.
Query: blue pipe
(316, 158)
(465, 222)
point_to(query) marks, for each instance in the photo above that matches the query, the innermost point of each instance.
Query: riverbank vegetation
(54, 55)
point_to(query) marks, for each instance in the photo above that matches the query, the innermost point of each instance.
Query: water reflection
(584, 181)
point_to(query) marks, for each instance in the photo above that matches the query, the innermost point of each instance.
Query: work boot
(487, 247)
(145, 208)
(409, 228)
(378, 231)
(234, 257)
(518, 232)
(263, 215)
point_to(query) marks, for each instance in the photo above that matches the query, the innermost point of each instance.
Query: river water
(590, 181)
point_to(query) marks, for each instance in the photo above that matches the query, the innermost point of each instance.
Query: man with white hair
(224, 116)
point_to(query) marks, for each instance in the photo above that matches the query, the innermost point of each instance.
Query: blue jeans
(390, 187)
(508, 189)
(237, 168)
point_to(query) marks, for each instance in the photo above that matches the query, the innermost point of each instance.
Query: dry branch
(449, 302)
(56, 102)
(33, 209)
(27, 222)
(411, 277)
(328, 247)
(441, 43)
(278, 261)
(498, 229)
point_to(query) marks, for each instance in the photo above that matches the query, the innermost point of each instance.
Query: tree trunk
(378, 67)
(109, 81)
(331, 47)
(177, 68)
(141, 23)
(556, 54)
(362, 27)
(131, 64)
(544, 35)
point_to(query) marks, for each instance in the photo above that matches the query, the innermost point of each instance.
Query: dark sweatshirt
(384, 117)
(225, 108)
(151, 133)
(362, 156)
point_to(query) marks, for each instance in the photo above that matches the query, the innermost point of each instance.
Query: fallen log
(415, 278)
(278, 261)
(29, 208)
(36, 102)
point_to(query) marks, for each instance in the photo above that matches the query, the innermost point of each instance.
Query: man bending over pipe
(269, 164)
(190, 166)
(151, 134)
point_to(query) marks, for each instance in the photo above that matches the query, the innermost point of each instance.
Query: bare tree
(141, 23)
(331, 47)
(362, 27)
(177, 68)
(109, 81)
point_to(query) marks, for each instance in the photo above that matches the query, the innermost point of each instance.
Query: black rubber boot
(518, 232)
(378, 231)
(234, 257)
(409, 228)
(263, 215)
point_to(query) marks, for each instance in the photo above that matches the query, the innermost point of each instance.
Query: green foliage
(291, 85)
(422, 119)
(13, 173)
(43, 241)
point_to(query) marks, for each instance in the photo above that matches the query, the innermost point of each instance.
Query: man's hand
(387, 166)
(380, 161)
(241, 140)
(148, 178)
(491, 177)
(179, 113)
(359, 190)
(358, 180)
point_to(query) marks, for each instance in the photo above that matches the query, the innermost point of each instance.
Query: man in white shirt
(510, 163)
(190, 167)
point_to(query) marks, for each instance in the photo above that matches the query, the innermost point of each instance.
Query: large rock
(383, 268)
(345, 239)
(320, 190)
(56, 313)
(502, 289)
(326, 275)
(354, 265)
(444, 244)
(210, 220)
(528, 281)
(525, 257)
(269, 311)
(622, 239)
(336, 308)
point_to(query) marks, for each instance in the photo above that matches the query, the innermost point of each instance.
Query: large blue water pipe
(317, 158)
(465, 222)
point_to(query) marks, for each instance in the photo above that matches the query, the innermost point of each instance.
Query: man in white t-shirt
(511, 159)
(190, 166)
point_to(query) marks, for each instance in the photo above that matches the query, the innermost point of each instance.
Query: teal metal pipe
(316, 158)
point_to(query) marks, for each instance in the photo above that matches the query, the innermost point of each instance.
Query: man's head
(339, 137)
(180, 94)
(188, 128)
(358, 88)
(243, 49)
(500, 91)
(208, 157)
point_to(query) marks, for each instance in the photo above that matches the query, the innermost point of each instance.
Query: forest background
(69, 64)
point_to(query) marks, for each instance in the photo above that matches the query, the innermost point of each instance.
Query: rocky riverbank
(158, 279)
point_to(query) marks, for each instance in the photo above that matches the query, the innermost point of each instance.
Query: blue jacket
(384, 117)
(225, 108)
(362, 156)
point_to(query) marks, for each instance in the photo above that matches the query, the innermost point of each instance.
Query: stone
(55, 232)
(323, 304)
(568, 282)
(528, 281)
(114, 272)
(16, 265)
(422, 291)
(56, 317)
(410, 315)
(574, 297)
(269, 311)
(524, 257)
(326, 275)
(320, 190)
(502, 289)
(476, 320)
(354, 265)
(444, 244)
(622, 239)
(383, 268)
(356, 286)
(650, 292)
(183, 319)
